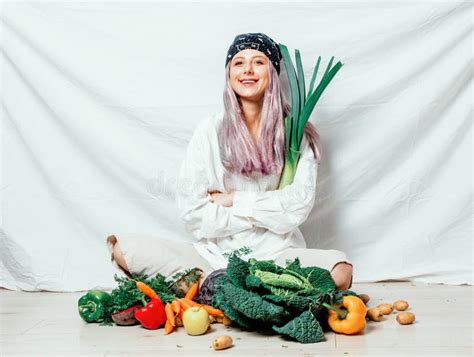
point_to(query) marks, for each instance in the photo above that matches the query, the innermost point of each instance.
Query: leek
(302, 105)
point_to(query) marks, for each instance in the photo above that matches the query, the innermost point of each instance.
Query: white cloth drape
(99, 101)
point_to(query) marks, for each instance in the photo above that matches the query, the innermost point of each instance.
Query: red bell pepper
(152, 315)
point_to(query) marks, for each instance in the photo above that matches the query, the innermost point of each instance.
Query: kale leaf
(265, 265)
(318, 277)
(304, 328)
(239, 271)
(250, 304)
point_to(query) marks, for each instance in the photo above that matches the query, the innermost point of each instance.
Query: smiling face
(250, 74)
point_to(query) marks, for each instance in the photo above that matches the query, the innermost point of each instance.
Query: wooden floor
(44, 324)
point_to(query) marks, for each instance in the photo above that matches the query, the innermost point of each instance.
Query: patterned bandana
(256, 41)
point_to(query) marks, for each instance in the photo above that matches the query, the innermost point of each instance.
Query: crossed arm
(214, 214)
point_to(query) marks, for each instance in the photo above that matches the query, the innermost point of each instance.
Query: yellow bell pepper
(347, 320)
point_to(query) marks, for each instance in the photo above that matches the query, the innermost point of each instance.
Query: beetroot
(126, 317)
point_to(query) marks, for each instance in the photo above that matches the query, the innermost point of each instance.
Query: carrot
(176, 306)
(212, 310)
(190, 302)
(180, 315)
(145, 289)
(168, 327)
(186, 303)
(170, 314)
(192, 292)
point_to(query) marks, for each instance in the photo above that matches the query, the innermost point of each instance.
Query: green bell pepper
(93, 307)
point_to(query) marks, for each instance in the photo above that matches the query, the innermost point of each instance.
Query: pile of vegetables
(291, 300)
(300, 302)
(302, 105)
(119, 306)
(152, 302)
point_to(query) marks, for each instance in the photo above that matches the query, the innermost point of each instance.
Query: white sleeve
(282, 211)
(203, 218)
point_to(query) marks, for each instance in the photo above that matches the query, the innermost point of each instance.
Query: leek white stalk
(302, 106)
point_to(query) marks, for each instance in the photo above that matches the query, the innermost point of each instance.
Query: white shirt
(263, 220)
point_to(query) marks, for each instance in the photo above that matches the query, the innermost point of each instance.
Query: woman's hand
(224, 199)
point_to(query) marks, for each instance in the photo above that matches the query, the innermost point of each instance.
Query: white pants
(145, 254)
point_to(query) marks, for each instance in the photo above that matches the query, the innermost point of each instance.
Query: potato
(375, 314)
(222, 342)
(405, 318)
(365, 298)
(386, 308)
(400, 305)
(178, 321)
(212, 319)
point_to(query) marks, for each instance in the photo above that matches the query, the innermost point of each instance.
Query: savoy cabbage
(263, 295)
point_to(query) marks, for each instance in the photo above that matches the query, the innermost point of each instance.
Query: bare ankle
(342, 275)
(117, 255)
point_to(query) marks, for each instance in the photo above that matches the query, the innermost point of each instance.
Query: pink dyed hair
(239, 154)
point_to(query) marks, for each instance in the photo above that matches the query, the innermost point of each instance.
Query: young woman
(227, 189)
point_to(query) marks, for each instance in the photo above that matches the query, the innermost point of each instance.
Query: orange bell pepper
(347, 320)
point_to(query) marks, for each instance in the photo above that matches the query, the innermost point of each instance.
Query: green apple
(195, 321)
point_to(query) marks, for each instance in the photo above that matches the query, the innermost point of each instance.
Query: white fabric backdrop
(100, 101)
